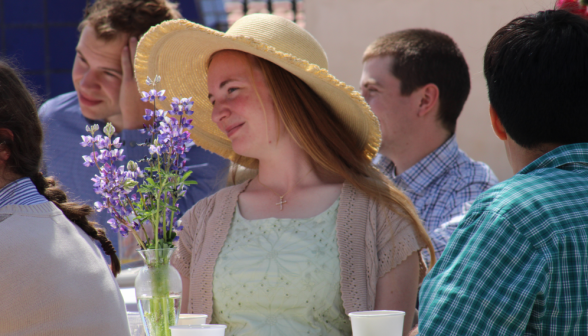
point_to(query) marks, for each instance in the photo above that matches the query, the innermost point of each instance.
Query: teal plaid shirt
(518, 262)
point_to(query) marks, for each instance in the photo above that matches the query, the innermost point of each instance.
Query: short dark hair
(134, 17)
(536, 68)
(421, 57)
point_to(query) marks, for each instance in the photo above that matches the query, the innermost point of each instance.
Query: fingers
(133, 47)
(125, 60)
(128, 56)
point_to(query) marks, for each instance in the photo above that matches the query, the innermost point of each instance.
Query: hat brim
(179, 52)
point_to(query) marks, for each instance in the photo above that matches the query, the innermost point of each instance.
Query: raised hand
(131, 106)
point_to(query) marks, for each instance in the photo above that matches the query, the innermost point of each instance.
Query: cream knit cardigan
(371, 239)
(53, 278)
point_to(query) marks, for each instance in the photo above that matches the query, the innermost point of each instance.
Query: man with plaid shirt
(518, 262)
(417, 81)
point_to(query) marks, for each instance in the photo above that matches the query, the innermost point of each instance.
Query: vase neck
(155, 257)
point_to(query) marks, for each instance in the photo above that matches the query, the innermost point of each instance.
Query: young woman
(318, 232)
(54, 279)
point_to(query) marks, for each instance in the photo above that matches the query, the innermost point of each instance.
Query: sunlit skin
(409, 123)
(104, 81)
(97, 75)
(381, 91)
(238, 110)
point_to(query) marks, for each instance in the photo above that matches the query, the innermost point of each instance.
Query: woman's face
(233, 79)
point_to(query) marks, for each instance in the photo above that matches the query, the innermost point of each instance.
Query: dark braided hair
(18, 113)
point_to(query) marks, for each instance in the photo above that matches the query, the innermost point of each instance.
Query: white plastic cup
(198, 330)
(377, 323)
(192, 319)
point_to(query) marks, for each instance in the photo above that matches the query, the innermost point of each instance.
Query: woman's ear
(497, 125)
(6, 135)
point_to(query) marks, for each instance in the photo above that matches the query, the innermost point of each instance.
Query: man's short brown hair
(109, 18)
(423, 56)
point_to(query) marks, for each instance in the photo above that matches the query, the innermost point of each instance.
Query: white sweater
(53, 278)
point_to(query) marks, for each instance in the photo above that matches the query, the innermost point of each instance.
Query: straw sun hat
(179, 52)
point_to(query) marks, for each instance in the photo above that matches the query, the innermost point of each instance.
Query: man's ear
(497, 125)
(429, 99)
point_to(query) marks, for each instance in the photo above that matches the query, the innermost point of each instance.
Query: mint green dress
(280, 277)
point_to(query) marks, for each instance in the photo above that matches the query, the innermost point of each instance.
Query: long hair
(18, 113)
(331, 144)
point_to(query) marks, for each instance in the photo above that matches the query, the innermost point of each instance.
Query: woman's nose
(219, 113)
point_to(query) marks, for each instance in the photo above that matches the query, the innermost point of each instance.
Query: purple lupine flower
(112, 223)
(88, 140)
(148, 114)
(88, 160)
(102, 142)
(160, 95)
(148, 96)
(154, 150)
(169, 141)
(117, 143)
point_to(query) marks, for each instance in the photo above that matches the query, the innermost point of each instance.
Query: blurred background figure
(517, 264)
(416, 81)
(54, 278)
(106, 91)
(41, 36)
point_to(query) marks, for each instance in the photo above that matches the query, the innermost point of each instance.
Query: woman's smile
(230, 130)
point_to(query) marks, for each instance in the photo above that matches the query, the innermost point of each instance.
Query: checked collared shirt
(518, 262)
(442, 187)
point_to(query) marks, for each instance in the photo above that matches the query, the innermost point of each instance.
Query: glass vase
(158, 288)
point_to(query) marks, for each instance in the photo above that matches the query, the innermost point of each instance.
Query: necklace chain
(281, 197)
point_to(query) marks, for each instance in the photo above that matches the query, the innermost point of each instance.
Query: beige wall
(346, 27)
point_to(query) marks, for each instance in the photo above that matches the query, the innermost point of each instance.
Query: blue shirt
(518, 263)
(64, 124)
(20, 192)
(442, 187)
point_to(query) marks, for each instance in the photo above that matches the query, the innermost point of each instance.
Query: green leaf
(172, 208)
(186, 174)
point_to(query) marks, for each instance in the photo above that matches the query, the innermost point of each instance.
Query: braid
(77, 214)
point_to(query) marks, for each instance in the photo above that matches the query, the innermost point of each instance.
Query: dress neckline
(331, 207)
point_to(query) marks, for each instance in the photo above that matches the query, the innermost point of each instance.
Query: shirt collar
(424, 172)
(20, 192)
(562, 155)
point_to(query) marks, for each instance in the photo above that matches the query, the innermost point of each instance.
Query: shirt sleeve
(397, 240)
(453, 215)
(486, 282)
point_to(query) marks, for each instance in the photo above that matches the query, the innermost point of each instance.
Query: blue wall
(41, 36)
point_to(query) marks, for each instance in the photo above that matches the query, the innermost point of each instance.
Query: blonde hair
(330, 144)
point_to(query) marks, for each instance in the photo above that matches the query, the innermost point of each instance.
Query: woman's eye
(231, 90)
